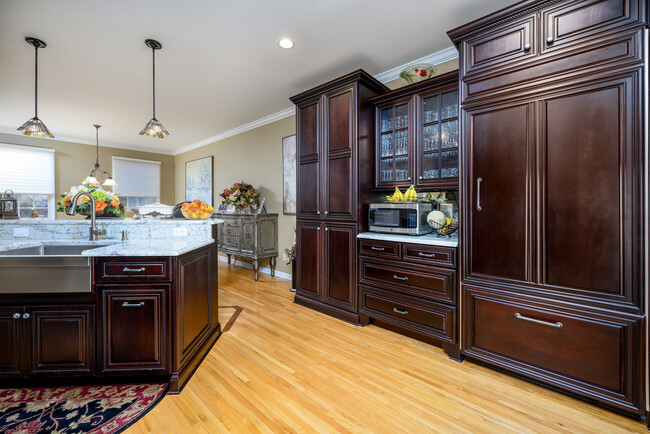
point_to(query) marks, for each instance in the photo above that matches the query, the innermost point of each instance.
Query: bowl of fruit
(196, 210)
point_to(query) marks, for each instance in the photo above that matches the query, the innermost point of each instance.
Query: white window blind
(25, 169)
(138, 178)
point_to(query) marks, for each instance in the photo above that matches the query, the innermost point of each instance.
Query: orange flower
(115, 203)
(100, 205)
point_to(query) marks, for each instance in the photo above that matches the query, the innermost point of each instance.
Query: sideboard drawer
(230, 241)
(230, 229)
(381, 249)
(428, 282)
(133, 269)
(423, 254)
(576, 350)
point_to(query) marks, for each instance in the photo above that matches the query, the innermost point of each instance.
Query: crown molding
(291, 111)
(436, 58)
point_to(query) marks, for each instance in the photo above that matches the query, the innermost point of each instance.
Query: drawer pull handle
(395, 276)
(557, 325)
(127, 304)
(427, 255)
(401, 312)
(133, 270)
(379, 249)
(527, 47)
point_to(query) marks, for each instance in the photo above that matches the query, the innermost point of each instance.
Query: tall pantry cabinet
(335, 172)
(553, 207)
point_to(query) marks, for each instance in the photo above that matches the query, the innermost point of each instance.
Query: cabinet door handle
(409, 178)
(557, 325)
(26, 316)
(419, 177)
(325, 212)
(426, 255)
(318, 228)
(527, 47)
(395, 276)
(550, 40)
(16, 316)
(127, 304)
(327, 229)
(133, 270)
(379, 249)
(478, 194)
(318, 212)
(401, 312)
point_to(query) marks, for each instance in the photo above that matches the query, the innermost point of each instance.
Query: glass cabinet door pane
(450, 134)
(386, 170)
(450, 105)
(401, 116)
(402, 142)
(430, 166)
(430, 109)
(401, 168)
(386, 120)
(387, 145)
(430, 138)
(449, 164)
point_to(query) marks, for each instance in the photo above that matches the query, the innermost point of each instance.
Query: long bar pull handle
(401, 312)
(133, 270)
(478, 194)
(395, 276)
(127, 304)
(426, 255)
(379, 249)
(557, 325)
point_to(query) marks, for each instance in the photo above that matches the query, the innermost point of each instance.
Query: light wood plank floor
(282, 367)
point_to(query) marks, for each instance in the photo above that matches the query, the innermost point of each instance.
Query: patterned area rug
(83, 409)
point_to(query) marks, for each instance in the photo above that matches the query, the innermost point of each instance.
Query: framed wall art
(289, 174)
(198, 180)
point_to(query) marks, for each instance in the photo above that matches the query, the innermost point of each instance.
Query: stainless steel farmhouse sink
(46, 269)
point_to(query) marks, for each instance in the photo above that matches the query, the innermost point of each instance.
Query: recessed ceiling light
(285, 43)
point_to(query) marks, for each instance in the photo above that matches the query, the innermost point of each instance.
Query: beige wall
(74, 161)
(254, 157)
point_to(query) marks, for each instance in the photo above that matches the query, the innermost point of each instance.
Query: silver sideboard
(253, 236)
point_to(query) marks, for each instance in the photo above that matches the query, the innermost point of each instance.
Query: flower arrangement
(105, 201)
(241, 195)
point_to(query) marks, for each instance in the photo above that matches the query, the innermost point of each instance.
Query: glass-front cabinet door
(394, 144)
(437, 141)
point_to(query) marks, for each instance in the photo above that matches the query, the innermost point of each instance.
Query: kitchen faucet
(94, 232)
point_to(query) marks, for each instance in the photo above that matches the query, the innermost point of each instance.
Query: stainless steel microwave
(409, 218)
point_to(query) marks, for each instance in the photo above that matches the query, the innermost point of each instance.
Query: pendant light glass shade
(34, 126)
(92, 179)
(154, 128)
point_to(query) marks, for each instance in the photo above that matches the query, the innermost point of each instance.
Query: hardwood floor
(283, 367)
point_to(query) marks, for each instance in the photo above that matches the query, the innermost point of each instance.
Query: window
(138, 181)
(29, 173)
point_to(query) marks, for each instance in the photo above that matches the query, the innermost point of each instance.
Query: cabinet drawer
(506, 45)
(133, 270)
(230, 229)
(433, 319)
(230, 241)
(428, 282)
(383, 249)
(589, 353)
(443, 256)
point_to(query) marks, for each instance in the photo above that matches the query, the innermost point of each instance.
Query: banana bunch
(396, 197)
(409, 195)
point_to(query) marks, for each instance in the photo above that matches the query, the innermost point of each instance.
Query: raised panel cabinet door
(308, 188)
(308, 170)
(10, 339)
(267, 235)
(340, 287)
(248, 235)
(308, 245)
(62, 340)
(592, 236)
(134, 330)
(308, 126)
(339, 147)
(497, 197)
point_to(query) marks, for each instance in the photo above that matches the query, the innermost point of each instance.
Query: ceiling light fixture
(92, 178)
(154, 128)
(285, 43)
(34, 126)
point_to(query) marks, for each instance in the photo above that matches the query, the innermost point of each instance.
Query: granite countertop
(431, 239)
(117, 247)
(212, 221)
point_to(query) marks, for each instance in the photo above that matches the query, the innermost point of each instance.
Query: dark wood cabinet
(335, 170)
(417, 134)
(551, 199)
(10, 342)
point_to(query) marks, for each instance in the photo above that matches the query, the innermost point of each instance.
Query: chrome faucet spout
(93, 215)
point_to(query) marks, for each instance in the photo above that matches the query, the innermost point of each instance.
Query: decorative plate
(416, 73)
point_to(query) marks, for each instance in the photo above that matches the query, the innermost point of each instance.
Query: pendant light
(92, 179)
(34, 126)
(154, 128)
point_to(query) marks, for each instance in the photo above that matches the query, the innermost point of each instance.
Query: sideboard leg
(272, 263)
(228, 254)
(256, 269)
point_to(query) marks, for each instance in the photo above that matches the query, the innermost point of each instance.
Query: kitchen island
(146, 306)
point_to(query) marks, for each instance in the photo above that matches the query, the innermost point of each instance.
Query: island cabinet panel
(334, 172)
(10, 342)
(62, 341)
(553, 281)
(135, 321)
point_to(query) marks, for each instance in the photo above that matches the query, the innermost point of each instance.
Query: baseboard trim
(265, 270)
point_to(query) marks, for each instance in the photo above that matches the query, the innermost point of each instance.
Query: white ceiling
(220, 66)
